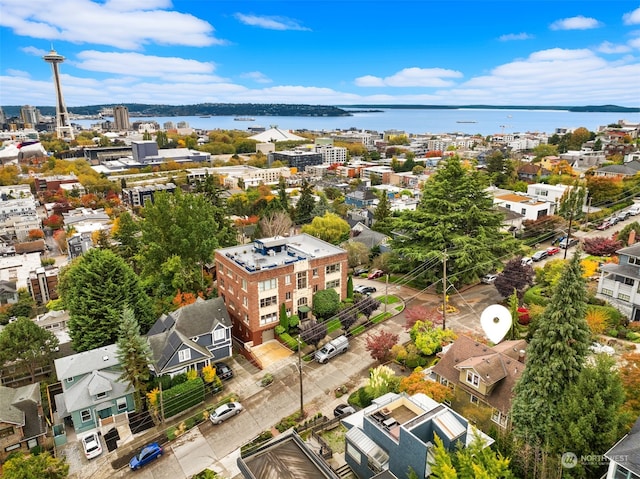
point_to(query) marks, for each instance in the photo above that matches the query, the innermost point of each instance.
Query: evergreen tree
(589, 417)
(94, 289)
(134, 354)
(455, 213)
(555, 357)
(283, 197)
(350, 287)
(305, 205)
(383, 210)
(125, 232)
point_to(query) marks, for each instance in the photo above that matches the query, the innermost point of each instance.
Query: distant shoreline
(588, 108)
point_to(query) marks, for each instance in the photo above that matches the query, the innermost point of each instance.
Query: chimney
(632, 237)
(521, 355)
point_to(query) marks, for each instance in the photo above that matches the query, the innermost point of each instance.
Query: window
(230, 289)
(523, 211)
(121, 404)
(264, 302)
(287, 296)
(219, 335)
(315, 288)
(287, 279)
(246, 318)
(12, 447)
(268, 318)
(244, 284)
(221, 283)
(85, 415)
(245, 301)
(627, 281)
(624, 297)
(184, 355)
(473, 379)
(353, 453)
(444, 381)
(474, 400)
(315, 272)
(332, 268)
(68, 380)
(302, 280)
(268, 284)
(333, 284)
(7, 431)
(302, 301)
(633, 260)
(607, 292)
(102, 395)
(499, 418)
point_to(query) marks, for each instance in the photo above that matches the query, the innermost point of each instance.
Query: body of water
(470, 121)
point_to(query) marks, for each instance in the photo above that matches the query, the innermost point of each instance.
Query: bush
(534, 295)
(183, 396)
(279, 330)
(289, 341)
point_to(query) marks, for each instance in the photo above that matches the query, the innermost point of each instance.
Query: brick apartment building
(255, 279)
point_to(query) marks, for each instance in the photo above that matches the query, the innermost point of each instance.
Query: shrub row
(182, 397)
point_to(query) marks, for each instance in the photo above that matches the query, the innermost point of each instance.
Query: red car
(551, 250)
(377, 273)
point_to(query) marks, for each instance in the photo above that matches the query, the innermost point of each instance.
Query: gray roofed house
(627, 169)
(624, 456)
(91, 388)
(619, 283)
(22, 425)
(368, 237)
(191, 337)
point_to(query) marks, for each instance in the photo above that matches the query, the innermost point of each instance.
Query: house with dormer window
(191, 337)
(91, 388)
(22, 423)
(619, 284)
(481, 375)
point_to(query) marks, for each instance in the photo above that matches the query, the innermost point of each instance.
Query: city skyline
(322, 52)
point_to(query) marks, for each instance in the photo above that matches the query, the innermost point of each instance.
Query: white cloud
(270, 22)
(515, 36)
(608, 47)
(34, 51)
(635, 43)
(18, 73)
(137, 64)
(99, 23)
(257, 77)
(632, 18)
(575, 23)
(411, 77)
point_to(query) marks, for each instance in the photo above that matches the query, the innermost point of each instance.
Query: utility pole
(161, 403)
(300, 373)
(568, 240)
(586, 219)
(444, 290)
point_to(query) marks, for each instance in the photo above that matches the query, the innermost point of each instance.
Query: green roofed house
(91, 389)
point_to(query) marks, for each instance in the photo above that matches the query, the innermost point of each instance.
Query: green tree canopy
(457, 215)
(306, 204)
(27, 345)
(555, 357)
(95, 288)
(326, 303)
(330, 228)
(42, 466)
(183, 226)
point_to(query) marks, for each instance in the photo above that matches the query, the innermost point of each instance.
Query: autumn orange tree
(416, 383)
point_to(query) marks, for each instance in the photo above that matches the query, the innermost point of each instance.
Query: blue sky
(322, 52)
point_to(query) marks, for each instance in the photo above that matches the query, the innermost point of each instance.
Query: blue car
(147, 454)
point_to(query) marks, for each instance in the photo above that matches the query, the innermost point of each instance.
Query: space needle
(63, 122)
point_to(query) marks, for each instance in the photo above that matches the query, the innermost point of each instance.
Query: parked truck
(332, 348)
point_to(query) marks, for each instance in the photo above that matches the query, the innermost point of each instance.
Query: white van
(331, 349)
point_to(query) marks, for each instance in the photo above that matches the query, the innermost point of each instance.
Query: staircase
(345, 472)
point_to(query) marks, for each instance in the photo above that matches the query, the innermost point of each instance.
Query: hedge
(289, 341)
(182, 397)
(534, 296)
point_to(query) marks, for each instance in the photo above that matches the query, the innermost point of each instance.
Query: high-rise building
(29, 115)
(64, 129)
(121, 118)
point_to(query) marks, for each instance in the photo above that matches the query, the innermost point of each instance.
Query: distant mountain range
(275, 109)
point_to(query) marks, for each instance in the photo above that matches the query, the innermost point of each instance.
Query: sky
(322, 52)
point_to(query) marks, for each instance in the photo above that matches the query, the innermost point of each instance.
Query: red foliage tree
(379, 344)
(601, 246)
(421, 313)
(54, 222)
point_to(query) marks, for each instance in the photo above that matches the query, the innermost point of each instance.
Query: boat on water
(466, 121)
(244, 118)
(204, 116)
